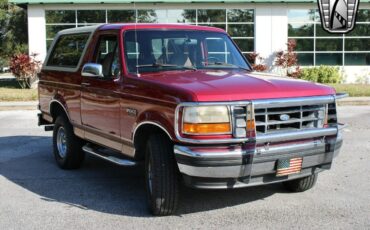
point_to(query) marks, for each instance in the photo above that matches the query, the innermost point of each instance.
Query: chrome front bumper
(240, 165)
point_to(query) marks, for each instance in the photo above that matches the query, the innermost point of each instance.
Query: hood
(235, 85)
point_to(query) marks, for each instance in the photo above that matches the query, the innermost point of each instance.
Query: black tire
(301, 184)
(160, 165)
(73, 156)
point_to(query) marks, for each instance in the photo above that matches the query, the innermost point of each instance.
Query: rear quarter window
(68, 50)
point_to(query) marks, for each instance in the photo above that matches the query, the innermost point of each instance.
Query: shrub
(252, 57)
(321, 74)
(288, 61)
(25, 69)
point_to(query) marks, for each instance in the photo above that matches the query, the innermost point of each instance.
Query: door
(100, 104)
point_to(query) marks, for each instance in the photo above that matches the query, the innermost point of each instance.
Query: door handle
(85, 84)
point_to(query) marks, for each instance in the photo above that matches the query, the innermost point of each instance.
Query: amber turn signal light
(210, 128)
(250, 125)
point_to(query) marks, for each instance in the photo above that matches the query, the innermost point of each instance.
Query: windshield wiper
(160, 65)
(228, 64)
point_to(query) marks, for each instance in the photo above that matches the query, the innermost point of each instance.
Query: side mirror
(92, 70)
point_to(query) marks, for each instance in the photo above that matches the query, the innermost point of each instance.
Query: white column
(271, 30)
(36, 31)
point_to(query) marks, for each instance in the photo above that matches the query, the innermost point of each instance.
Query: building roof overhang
(158, 1)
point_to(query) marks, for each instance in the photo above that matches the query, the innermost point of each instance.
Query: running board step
(99, 152)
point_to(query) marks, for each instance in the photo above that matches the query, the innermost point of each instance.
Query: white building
(262, 26)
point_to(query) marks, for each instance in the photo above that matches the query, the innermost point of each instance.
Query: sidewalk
(31, 105)
(6, 76)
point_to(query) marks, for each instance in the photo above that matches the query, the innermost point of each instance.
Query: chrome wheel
(61, 142)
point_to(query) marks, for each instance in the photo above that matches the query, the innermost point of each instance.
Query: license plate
(288, 166)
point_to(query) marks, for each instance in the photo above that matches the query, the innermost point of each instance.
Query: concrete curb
(354, 101)
(32, 105)
(18, 105)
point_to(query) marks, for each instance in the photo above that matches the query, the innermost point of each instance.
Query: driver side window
(217, 50)
(107, 55)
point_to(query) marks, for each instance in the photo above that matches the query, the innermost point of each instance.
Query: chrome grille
(290, 118)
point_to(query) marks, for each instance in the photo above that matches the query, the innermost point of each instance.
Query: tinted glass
(121, 16)
(302, 15)
(357, 59)
(48, 43)
(107, 56)
(305, 58)
(151, 16)
(60, 16)
(357, 44)
(211, 16)
(329, 59)
(241, 30)
(150, 51)
(320, 32)
(240, 15)
(329, 44)
(245, 45)
(68, 50)
(363, 15)
(300, 30)
(304, 44)
(52, 30)
(360, 30)
(181, 16)
(91, 16)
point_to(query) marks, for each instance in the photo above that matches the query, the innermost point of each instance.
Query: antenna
(136, 42)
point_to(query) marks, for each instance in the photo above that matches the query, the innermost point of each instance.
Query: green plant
(321, 74)
(3, 62)
(288, 61)
(259, 67)
(13, 30)
(25, 69)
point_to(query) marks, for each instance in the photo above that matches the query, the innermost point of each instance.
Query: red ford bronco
(184, 101)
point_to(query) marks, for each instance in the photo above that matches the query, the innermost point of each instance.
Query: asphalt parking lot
(36, 194)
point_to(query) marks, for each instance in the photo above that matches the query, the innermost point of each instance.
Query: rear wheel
(301, 184)
(161, 176)
(67, 146)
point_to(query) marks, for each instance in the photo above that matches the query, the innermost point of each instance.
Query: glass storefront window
(357, 59)
(152, 16)
(305, 58)
(329, 44)
(181, 16)
(211, 16)
(60, 16)
(305, 44)
(242, 15)
(239, 23)
(315, 46)
(363, 15)
(52, 30)
(115, 16)
(90, 16)
(329, 59)
(357, 44)
(300, 30)
(241, 30)
(245, 44)
(303, 15)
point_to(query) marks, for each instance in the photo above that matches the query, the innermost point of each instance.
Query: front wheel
(301, 184)
(67, 146)
(161, 176)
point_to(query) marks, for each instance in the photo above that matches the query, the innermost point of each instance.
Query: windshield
(154, 50)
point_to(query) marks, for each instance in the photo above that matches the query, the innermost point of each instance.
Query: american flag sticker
(288, 166)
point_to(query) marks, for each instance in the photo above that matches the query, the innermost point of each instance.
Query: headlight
(205, 120)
